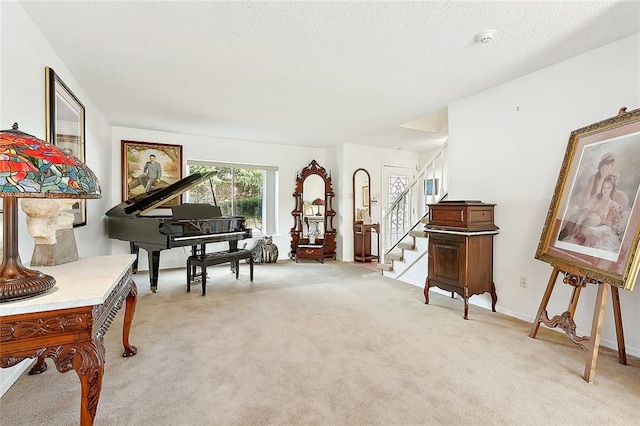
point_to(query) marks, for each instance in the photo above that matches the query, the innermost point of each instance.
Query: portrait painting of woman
(600, 222)
(597, 214)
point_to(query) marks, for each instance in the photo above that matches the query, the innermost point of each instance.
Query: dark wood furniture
(310, 251)
(209, 259)
(311, 237)
(190, 224)
(460, 246)
(68, 324)
(363, 235)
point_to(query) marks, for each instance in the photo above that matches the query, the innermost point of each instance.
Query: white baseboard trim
(607, 343)
(409, 281)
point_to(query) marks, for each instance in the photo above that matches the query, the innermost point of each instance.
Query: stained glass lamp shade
(32, 168)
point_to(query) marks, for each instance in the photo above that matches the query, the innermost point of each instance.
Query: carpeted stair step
(418, 234)
(394, 256)
(406, 246)
(385, 267)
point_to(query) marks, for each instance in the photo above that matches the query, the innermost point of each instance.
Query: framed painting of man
(65, 120)
(148, 167)
(593, 222)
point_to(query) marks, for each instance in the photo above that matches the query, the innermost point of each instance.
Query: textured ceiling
(312, 73)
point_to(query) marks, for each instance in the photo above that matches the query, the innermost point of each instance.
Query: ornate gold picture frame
(593, 223)
(139, 177)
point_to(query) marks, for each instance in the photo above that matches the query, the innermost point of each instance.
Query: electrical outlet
(523, 281)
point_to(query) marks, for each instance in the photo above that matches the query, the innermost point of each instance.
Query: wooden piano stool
(208, 259)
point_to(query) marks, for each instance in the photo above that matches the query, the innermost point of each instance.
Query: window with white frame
(247, 190)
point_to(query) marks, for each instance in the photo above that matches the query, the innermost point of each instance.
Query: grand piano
(190, 224)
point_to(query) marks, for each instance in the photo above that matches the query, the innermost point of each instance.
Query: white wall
(427, 155)
(25, 54)
(506, 146)
(497, 154)
(289, 159)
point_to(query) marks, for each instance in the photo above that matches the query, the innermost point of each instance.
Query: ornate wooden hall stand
(67, 324)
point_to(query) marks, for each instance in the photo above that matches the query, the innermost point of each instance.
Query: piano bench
(208, 259)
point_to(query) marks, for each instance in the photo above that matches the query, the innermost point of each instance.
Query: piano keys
(190, 224)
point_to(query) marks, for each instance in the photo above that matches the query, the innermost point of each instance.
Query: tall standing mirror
(313, 211)
(313, 234)
(361, 196)
(366, 237)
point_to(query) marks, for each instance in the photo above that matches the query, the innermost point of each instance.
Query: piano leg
(134, 250)
(154, 266)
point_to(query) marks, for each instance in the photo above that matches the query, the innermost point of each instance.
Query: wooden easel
(565, 320)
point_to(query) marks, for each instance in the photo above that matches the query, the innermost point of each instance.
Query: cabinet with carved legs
(460, 260)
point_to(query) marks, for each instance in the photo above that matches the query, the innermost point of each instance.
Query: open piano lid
(143, 203)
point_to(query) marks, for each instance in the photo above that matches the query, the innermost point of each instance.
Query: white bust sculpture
(45, 216)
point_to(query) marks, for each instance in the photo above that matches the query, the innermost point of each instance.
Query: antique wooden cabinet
(462, 216)
(460, 257)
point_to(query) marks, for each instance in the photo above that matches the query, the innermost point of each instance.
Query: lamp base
(16, 281)
(25, 286)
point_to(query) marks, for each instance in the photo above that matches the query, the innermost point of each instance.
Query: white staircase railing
(429, 186)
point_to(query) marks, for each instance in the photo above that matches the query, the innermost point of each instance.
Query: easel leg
(615, 298)
(565, 321)
(544, 302)
(596, 327)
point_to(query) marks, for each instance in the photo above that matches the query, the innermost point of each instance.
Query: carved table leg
(40, 367)
(90, 369)
(87, 359)
(132, 299)
(426, 292)
(596, 327)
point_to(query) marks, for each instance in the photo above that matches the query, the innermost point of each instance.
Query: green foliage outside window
(246, 184)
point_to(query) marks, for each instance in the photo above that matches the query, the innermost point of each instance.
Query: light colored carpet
(332, 344)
